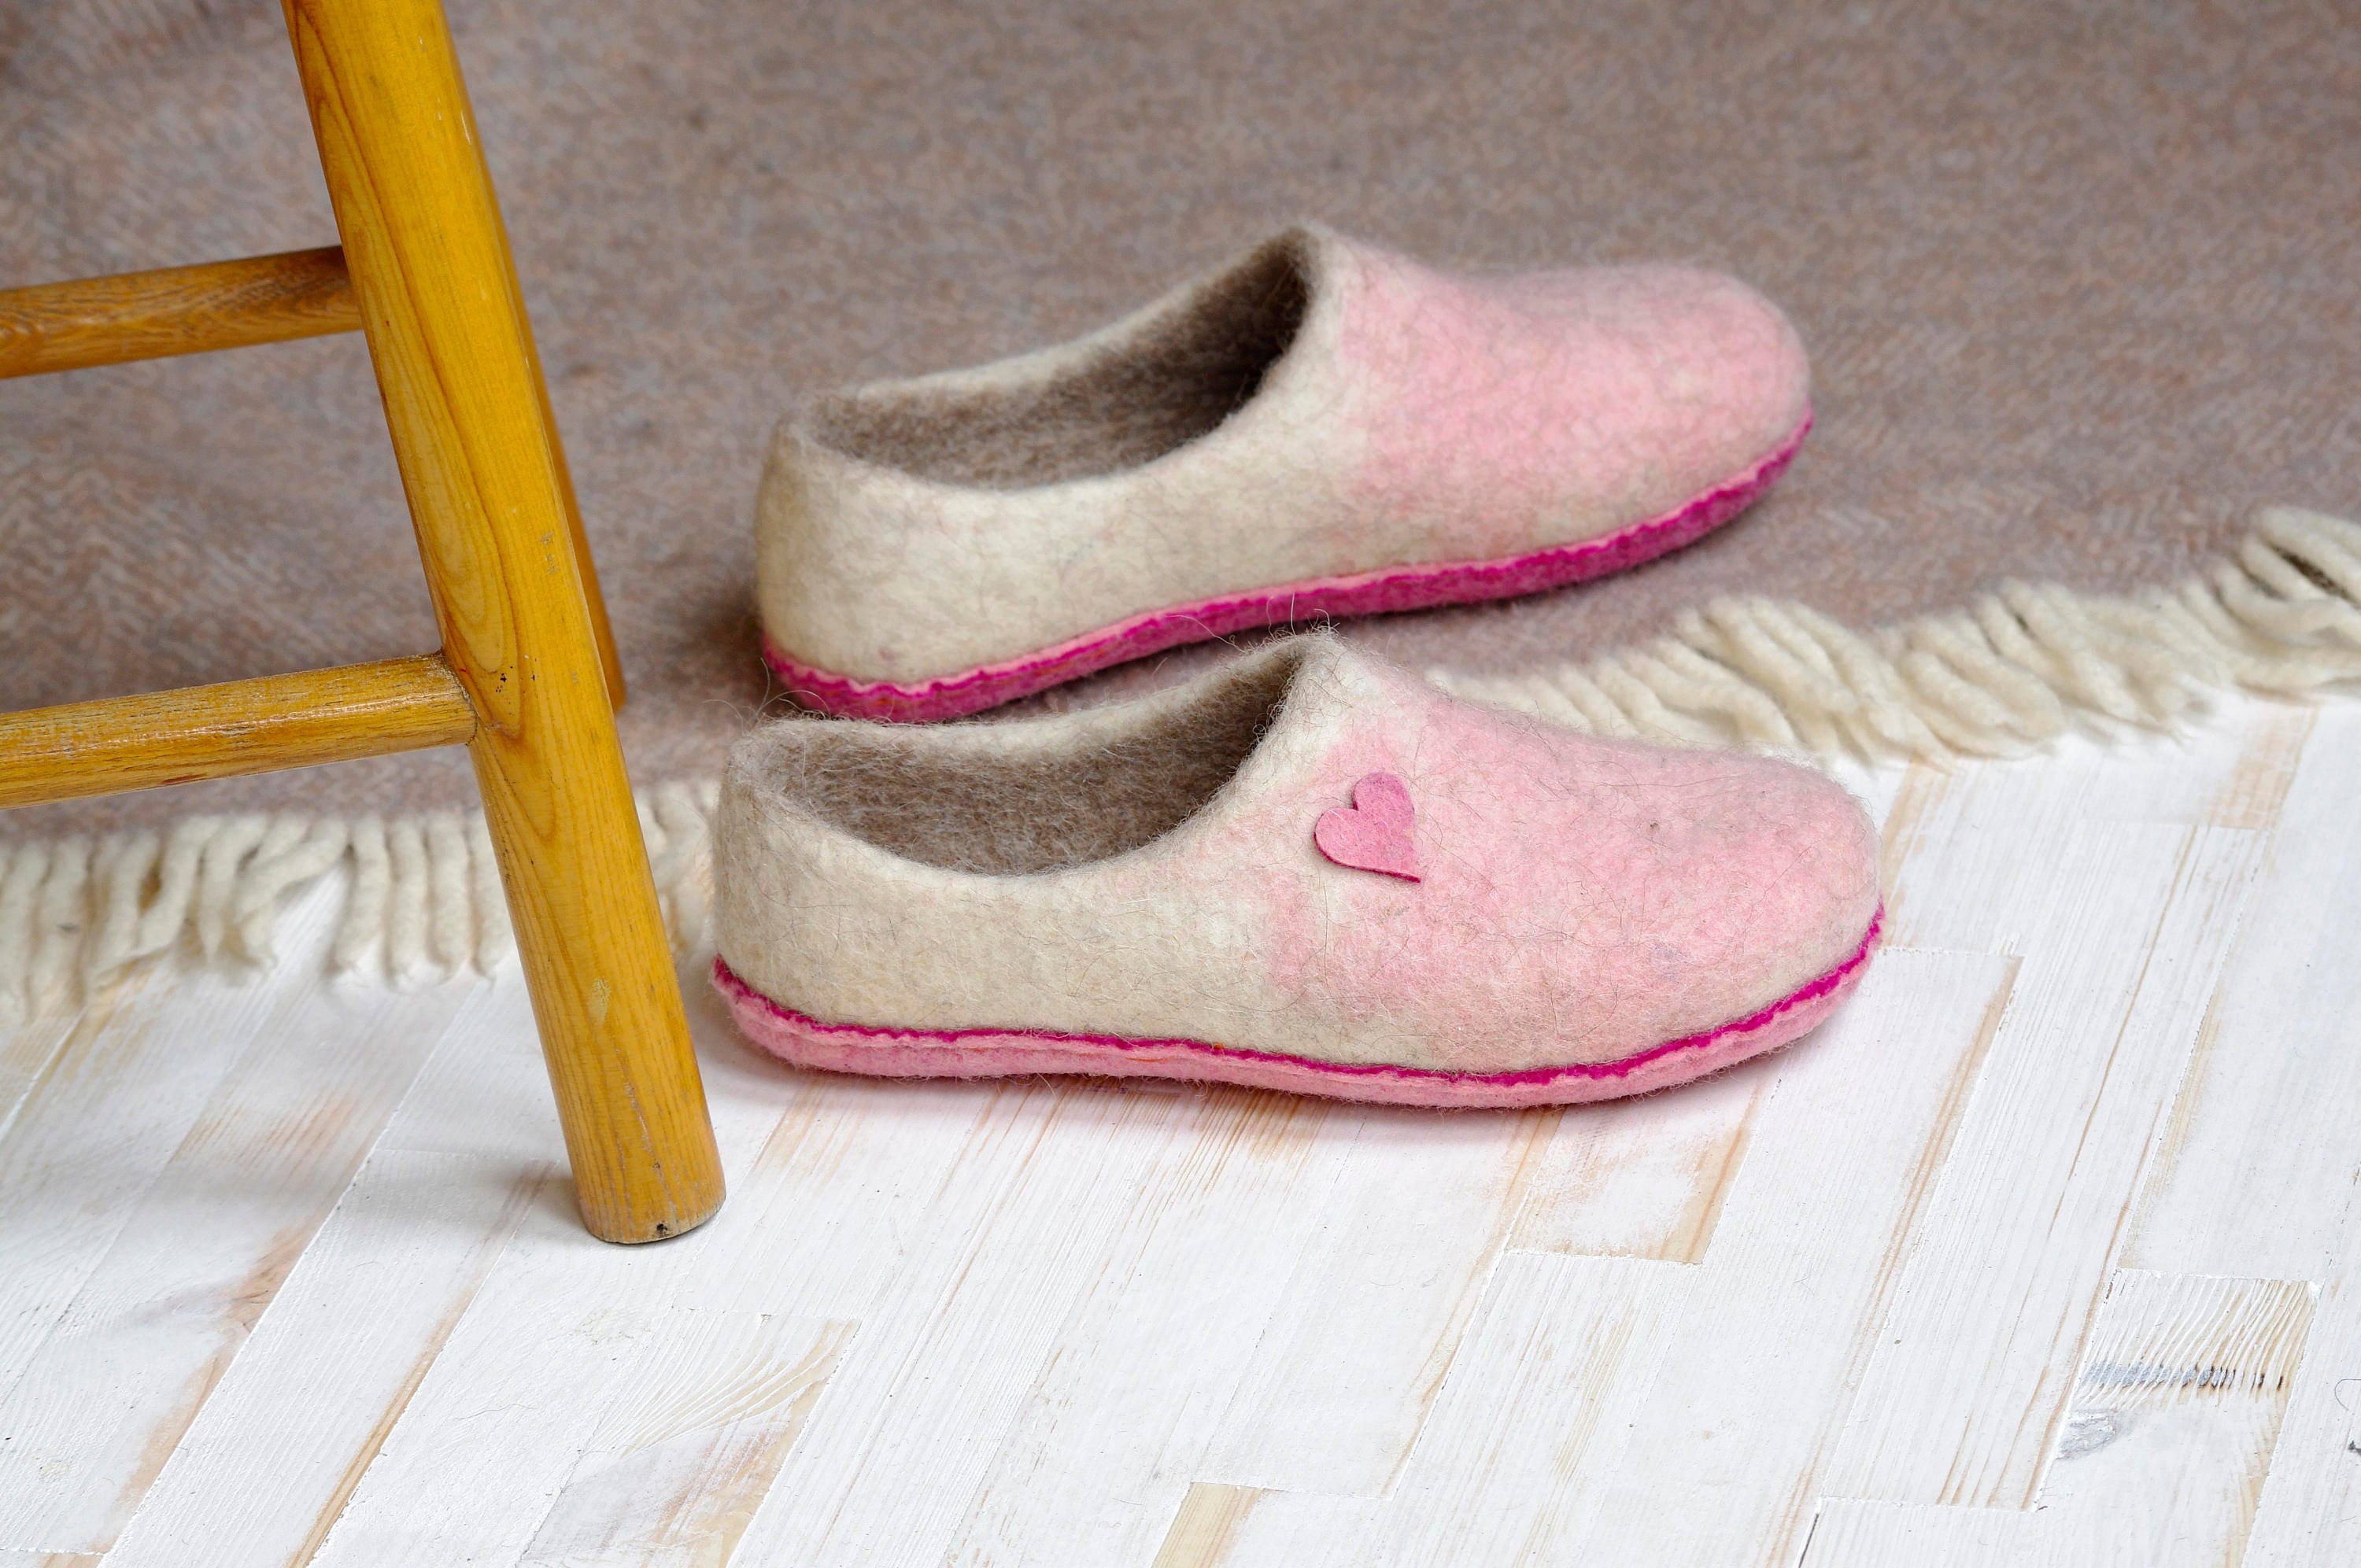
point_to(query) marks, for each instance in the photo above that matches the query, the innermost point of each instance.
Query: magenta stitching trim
(727, 981)
(1380, 592)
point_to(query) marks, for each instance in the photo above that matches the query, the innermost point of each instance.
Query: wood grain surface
(175, 310)
(2038, 1255)
(113, 744)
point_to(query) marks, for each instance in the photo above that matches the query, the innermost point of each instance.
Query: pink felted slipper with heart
(1304, 870)
(1320, 428)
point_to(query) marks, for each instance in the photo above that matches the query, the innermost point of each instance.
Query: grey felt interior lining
(964, 798)
(1144, 396)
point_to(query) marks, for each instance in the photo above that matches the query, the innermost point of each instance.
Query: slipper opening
(1021, 798)
(1114, 403)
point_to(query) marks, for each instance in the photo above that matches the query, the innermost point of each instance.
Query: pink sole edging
(994, 1053)
(1369, 593)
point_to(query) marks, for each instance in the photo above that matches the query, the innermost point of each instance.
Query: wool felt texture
(1138, 885)
(1377, 832)
(990, 1053)
(1320, 427)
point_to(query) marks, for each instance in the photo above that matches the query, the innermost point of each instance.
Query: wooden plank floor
(2048, 1251)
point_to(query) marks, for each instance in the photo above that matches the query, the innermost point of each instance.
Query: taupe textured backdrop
(2079, 282)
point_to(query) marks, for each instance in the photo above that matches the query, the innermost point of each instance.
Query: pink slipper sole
(1381, 592)
(995, 1053)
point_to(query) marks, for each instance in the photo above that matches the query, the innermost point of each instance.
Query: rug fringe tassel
(424, 903)
(2013, 671)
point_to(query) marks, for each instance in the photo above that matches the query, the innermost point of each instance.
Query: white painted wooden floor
(2045, 1252)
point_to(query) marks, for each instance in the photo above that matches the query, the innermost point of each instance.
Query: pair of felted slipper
(1306, 869)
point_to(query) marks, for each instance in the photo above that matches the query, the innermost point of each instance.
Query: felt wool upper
(1318, 409)
(1149, 870)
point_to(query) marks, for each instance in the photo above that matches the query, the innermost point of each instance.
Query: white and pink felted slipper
(1320, 428)
(1306, 869)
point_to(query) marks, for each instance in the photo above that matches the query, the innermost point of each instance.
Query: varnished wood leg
(447, 330)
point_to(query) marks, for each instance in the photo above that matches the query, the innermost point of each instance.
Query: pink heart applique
(1373, 834)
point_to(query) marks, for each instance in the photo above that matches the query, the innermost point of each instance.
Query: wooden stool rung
(175, 310)
(120, 743)
(527, 679)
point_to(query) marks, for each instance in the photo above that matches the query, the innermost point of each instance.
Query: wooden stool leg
(448, 332)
